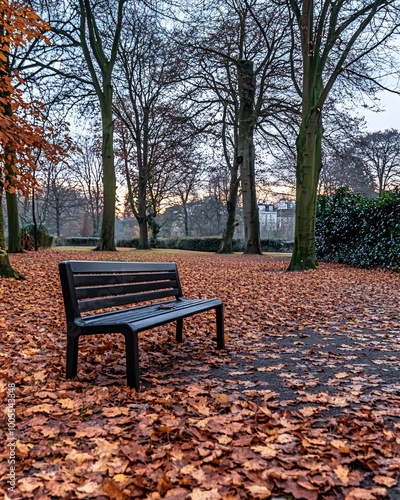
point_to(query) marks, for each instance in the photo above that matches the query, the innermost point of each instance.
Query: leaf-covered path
(303, 403)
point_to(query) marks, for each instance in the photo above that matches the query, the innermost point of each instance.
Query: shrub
(276, 246)
(360, 231)
(133, 243)
(44, 238)
(78, 241)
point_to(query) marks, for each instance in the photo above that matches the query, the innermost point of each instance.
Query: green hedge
(276, 246)
(196, 244)
(207, 244)
(77, 241)
(360, 231)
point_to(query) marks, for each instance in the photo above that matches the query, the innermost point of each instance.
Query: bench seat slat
(122, 289)
(102, 266)
(136, 315)
(122, 300)
(112, 278)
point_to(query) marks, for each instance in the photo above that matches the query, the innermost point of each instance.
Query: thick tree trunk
(107, 233)
(14, 238)
(186, 219)
(142, 209)
(142, 212)
(308, 169)
(246, 155)
(35, 226)
(226, 245)
(6, 270)
(143, 149)
(143, 235)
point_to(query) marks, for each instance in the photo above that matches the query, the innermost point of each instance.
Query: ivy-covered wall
(358, 230)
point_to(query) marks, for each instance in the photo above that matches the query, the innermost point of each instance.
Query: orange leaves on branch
(21, 122)
(21, 24)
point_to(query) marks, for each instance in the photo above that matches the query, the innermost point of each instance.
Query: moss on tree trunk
(308, 169)
(107, 234)
(6, 270)
(246, 156)
(14, 238)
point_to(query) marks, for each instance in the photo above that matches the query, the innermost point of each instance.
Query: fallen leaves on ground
(303, 403)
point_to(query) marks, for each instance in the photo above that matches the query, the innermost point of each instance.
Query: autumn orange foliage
(304, 402)
(21, 131)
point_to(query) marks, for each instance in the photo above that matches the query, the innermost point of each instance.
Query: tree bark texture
(186, 218)
(6, 270)
(307, 175)
(226, 245)
(143, 235)
(107, 233)
(246, 156)
(142, 149)
(14, 238)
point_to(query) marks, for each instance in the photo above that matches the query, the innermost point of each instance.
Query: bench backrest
(92, 285)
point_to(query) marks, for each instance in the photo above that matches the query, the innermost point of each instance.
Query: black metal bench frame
(89, 286)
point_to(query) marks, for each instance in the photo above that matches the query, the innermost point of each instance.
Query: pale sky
(389, 118)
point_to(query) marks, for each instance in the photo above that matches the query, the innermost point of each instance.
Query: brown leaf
(387, 481)
(257, 491)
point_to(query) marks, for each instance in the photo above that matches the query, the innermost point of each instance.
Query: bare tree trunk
(143, 235)
(35, 227)
(246, 154)
(143, 148)
(186, 218)
(107, 233)
(6, 270)
(308, 168)
(14, 238)
(226, 245)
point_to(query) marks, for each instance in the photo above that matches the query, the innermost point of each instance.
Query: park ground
(303, 403)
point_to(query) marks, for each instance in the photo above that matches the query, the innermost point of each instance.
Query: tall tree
(247, 42)
(94, 53)
(153, 133)
(19, 138)
(334, 37)
(92, 30)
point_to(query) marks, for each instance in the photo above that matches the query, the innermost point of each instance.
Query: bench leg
(219, 311)
(179, 330)
(132, 359)
(72, 356)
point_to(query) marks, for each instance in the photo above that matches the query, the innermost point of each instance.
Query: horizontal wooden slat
(85, 266)
(110, 279)
(92, 305)
(145, 317)
(107, 291)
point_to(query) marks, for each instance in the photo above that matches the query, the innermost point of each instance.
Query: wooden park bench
(89, 286)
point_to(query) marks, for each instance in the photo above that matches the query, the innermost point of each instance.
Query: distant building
(268, 217)
(277, 222)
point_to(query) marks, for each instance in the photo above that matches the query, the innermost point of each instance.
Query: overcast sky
(390, 118)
